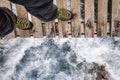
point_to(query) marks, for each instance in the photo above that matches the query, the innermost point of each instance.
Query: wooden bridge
(89, 27)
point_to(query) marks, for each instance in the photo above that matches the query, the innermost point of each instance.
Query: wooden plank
(89, 18)
(37, 30)
(44, 29)
(82, 27)
(60, 31)
(95, 27)
(115, 20)
(68, 29)
(5, 3)
(62, 25)
(65, 23)
(50, 29)
(108, 28)
(117, 27)
(21, 12)
(102, 18)
(76, 25)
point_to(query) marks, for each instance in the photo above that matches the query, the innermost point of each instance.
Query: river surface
(59, 59)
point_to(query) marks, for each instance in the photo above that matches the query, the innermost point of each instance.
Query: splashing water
(60, 59)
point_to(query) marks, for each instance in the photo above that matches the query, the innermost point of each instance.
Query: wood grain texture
(102, 18)
(50, 29)
(115, 20)
(76, 25)
(37, 30)
(62, 25)
(89, 18)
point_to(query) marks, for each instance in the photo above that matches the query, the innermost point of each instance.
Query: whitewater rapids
(60, 59)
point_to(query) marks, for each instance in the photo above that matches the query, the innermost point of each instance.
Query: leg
(45, 10)
(7, 21)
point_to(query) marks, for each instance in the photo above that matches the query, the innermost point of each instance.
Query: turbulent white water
(58, 59)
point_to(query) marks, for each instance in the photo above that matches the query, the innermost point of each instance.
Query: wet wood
(115, 26)
(37, 30)
(76, 25)
(89, 18)
(50, 29)
(102, 18)
(62, 25)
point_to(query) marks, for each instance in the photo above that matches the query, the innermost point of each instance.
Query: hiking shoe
(64, 14)
(23, 24)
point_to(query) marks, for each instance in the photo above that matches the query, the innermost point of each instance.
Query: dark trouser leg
(7, 21)
(43, 9)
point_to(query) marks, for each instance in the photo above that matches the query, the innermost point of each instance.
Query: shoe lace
(22, 22)
(63, 14)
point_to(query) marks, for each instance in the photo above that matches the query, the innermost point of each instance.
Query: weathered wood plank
(115, 21)
(102, 18)
(65, 23)
(68, 29)
(62, 24)
(21, 12)
(37, 28)
(50, 29)
(89, 18)
(60, 31)
(76, 25)
(5, 3)
(108, 28)
(82, 27)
